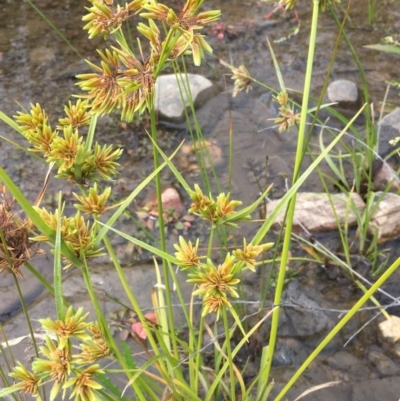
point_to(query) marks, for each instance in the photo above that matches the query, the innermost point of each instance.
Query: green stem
(128, 292)
(108, 335)
(28, 321)
(210, 242)
(162, 234)
(229, 352)
(264, 376)
(198, 353)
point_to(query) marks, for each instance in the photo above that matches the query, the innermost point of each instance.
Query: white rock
(386, 220)
(314, 211)
(168, 102)
(390, 329)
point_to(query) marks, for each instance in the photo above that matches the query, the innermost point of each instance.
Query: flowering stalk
(265, 370)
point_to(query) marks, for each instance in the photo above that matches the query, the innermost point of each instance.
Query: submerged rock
(389, 129)
(382, 363)
(168, 102)
(306, 316)
(344, 92)
(314, 211)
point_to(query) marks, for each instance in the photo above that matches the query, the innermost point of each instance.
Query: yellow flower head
(219, 282)
(187, 253)
(250, 252)
(73, 325)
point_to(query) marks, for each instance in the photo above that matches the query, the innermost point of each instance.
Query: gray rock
(306, 318)
(384, 365)
(41, 55)
(392, 119)
(349, 365)
(389, 128)
(387, 389)
(30, 287)
(343, 92)
(168, 100)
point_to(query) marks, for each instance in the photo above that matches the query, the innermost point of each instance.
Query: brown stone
(314, 211)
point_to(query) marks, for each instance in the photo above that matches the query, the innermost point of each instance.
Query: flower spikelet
(187, 253)
(77, 115)
(96, 347)
(28, 382)
(137, 83)
(215, 303)
(36, 129)
(104, 160)
(83, 384)
(198, 46)
(75, 231)
(104, 93)
(218, 281)
(57, 365)
(152, 33)
(64, 150)
(94, 203)
(200, 202)
(73, 326)
(225, 206)
(104, 17)
(250, 252)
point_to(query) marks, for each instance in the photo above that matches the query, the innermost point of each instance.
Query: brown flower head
(241, 77)
(137, 83)
(103, 91)
(15, 246)
(95, 348)
(105, 18)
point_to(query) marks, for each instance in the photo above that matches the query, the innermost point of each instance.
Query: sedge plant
(71, 359)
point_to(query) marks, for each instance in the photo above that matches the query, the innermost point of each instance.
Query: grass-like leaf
(385, 48)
